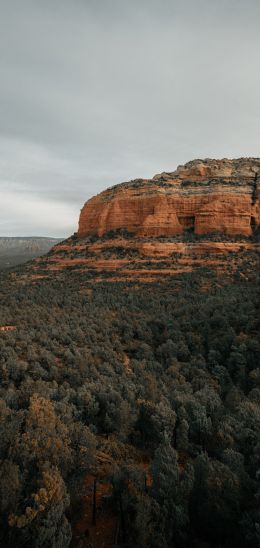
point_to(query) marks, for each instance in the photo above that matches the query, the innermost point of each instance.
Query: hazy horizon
(96, 93)
(22, 236)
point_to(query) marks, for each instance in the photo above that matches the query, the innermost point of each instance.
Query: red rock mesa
(203, 196)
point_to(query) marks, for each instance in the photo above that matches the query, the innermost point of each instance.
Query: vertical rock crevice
(254, 193)
(253, 222)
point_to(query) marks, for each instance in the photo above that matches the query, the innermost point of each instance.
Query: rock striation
(204, 216)
(203, 196)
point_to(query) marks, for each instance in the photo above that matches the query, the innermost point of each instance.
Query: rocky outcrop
(204, 216)
(203, 196)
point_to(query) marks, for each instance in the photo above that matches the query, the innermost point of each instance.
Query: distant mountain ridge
(15, 250)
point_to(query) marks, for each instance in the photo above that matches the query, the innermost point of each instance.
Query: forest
(152, 390)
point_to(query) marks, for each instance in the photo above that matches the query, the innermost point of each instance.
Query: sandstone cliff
(206, 215)
(201, 196)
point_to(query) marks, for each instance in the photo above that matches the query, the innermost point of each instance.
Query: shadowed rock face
(203, 196)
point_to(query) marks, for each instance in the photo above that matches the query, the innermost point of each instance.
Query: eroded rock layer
(201, 196)
(146, 260)
(205, 216)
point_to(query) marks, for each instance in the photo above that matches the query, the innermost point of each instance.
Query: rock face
(203, 196)
(202, 217)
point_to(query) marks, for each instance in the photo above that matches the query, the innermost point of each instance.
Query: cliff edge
(205, 215)
(202, 196)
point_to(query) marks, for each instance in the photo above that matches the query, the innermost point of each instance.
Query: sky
(96, 92)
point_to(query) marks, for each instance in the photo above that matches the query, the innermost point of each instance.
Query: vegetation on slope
(153, 390)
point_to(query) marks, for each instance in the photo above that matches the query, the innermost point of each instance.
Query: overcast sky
(95, 92)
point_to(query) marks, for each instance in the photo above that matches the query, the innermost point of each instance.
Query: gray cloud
(93, 93)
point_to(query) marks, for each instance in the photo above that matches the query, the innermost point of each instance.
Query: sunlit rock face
(203, 196)
(204, 216)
